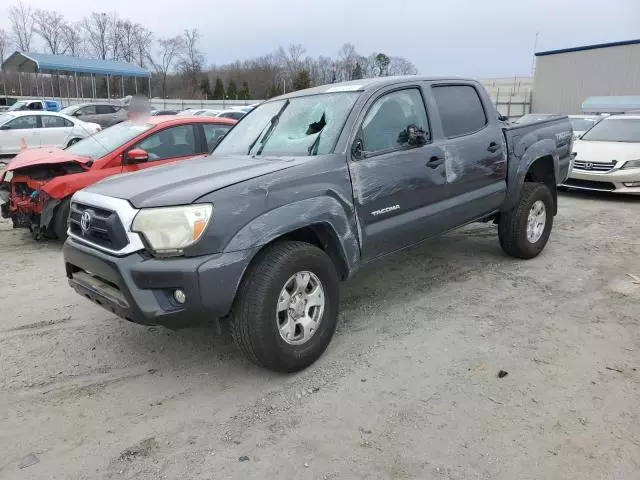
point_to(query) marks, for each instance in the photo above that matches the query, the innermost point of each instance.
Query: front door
(22, 131)
(168, 145)
(398, 183)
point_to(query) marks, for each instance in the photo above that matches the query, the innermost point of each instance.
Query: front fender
(528, 150)
(66, 185)
(304, 213)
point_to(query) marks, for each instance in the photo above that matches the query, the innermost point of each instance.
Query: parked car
(40, 105)
(163, 112)
(535, 117)
(582, 123)
(104, 114)
(301, 193)
(192, 112)
(26, 129)
(607, 157)
(235, 114)
(43, 180)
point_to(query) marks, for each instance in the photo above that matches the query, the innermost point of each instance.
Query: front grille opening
(105, 228)
(603, 186)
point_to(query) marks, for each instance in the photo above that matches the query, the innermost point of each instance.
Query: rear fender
(528, 153)
(288, 218)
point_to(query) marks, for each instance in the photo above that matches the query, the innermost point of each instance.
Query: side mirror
(5, 127)
(136, 155)
(357, 149)
(77, 113)
(502, 118)
(413, 136)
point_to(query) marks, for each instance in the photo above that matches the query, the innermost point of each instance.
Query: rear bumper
(140, 289)
(616, 181)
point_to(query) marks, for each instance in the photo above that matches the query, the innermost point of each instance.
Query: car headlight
(169, 230)
(631, 164)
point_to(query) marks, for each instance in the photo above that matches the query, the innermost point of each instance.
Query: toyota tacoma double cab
(305, 189)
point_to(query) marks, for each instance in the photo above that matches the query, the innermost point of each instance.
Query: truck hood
(184, 182)
(606, 151)
(43, 156)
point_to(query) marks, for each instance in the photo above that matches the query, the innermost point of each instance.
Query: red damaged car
(36, 187)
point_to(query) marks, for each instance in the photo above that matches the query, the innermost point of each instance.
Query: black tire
(254, 324)
(512, 229)
(60, 220)
(72, 141)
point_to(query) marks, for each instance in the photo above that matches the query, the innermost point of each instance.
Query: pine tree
(218, 90)
(302, 80)
(205, 88)
(244, 93)
(357, 73)
(232, 90)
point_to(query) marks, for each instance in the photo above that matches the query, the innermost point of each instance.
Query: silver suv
(104, 114)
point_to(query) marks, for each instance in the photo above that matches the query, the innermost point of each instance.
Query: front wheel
(524, 231)
(60, 220)
(286, 309)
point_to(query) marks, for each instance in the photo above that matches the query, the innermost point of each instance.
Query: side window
(461, 110)
(88, 110)
(173, 142)
(21, 123)
(50, 121)
(212, 132)
(105, 109)
(35, 106)
(385, 126)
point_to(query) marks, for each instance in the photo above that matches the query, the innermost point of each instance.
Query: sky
(478, 38)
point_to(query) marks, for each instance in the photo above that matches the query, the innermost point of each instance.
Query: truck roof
(366, 84)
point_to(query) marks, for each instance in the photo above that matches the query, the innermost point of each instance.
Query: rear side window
(461, 110)
(51, 121)
(105, 109)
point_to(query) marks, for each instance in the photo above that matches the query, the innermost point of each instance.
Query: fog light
(180, 296)
(631, 184)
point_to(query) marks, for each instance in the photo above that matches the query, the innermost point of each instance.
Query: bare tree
(192, 59)
(291, 59)
(51, 26)
(115, 35)
(401, 66)
(144, 39)
(169, 50)
(22, 25)
(4, 48)
(96, 29)
(73, 40)
(348, 58)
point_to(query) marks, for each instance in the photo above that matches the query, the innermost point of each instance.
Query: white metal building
(565, 78)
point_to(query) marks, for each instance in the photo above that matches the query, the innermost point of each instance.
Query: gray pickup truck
(300, 193)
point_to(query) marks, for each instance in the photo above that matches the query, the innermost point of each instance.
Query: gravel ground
(407, 389)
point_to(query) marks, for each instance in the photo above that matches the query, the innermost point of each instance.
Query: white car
(607, 157)
(37, 129)
(582, 123)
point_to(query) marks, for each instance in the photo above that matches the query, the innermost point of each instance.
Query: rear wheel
(524, 231)
(286, 309)
(60, 219)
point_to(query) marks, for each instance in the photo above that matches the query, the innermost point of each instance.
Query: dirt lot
(408, 388)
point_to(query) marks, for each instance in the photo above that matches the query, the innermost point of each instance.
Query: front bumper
(613, 181)
(140, 288)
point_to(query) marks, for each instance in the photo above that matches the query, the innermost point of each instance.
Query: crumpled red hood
(43, 156)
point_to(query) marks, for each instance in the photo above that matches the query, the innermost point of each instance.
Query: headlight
(169, 230)
(631, 164)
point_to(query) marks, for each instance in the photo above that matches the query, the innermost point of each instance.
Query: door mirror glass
(137, 155)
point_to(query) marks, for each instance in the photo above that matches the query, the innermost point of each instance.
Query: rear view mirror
(136, 155)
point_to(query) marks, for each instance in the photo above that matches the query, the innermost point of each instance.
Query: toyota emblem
(85, 222)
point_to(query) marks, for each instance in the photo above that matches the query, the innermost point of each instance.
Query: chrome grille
(105, 228)
(598, 167)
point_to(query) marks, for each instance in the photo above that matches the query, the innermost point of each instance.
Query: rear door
(475, 151)
(55, 132)
(21, 131)
(398, 185)
(107, 115)
(167, 145)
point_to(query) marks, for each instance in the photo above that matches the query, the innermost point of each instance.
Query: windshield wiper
(274, 122)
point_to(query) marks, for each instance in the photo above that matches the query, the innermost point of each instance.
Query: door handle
(493, 147)
(435, 162)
